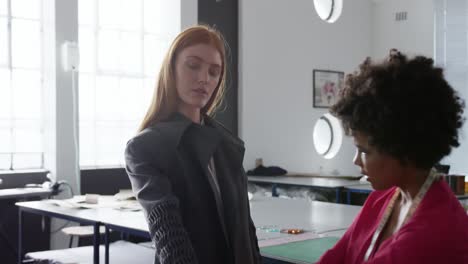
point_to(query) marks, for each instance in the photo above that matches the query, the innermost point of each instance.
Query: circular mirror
(329, 10)
(327, 136)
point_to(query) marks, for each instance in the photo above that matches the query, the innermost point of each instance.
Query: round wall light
(329, 10)
(327, 136)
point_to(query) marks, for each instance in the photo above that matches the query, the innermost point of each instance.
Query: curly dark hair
(406, 108)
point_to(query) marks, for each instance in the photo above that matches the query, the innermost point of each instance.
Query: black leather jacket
(189, 220)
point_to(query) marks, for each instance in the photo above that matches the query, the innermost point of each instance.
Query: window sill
(110, 167)
(19, 178)
(26, 171)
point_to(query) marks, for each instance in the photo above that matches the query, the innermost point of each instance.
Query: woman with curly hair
(404, 118)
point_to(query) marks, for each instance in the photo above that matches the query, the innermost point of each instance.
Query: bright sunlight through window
(21, 86)
(122, 43)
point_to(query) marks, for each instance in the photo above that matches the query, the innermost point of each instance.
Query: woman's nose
(357, 159)
(203, 76)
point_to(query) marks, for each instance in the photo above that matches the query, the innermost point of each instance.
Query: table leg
(338, 198)
(274, 190)
(20, 236)
(106, 239)
(97, 241)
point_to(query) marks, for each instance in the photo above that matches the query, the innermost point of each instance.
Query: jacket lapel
(205, 142)
(174, 128)
(232, 142)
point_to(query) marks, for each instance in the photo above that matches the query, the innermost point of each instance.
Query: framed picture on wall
(326, 87)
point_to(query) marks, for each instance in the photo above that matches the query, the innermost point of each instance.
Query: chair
(81, 232)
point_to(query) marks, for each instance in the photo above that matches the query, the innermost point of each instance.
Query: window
(451, 52)
(122, 44)
(21, 87)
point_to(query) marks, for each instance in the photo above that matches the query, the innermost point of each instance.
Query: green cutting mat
(307, 251)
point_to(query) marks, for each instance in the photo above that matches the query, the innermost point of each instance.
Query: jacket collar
(177, 124)
(172, 128)
(224, 132)
(203, 138)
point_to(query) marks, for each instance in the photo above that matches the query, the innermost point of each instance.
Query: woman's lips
(364, 174)
(200, 91)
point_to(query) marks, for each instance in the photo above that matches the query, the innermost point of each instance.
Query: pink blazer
(437, 232)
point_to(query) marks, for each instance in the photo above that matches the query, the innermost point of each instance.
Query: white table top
(305, 181)
(267, 213)
(318, 217)
(125, 219)
(79, 215)
(368, 187)
(362, 187)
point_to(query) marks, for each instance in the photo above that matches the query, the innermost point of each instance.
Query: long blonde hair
(165, 97)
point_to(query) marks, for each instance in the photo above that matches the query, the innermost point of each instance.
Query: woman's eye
(361, 153)
(193, 65)
(214, 72)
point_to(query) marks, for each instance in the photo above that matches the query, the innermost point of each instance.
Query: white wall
(60, 155)
(414, 36)
(278, 51)
(280, 43)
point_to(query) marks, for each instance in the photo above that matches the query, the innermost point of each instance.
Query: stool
(81, 231)
(120, 252)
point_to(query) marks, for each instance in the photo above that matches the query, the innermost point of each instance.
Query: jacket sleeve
(152, 188)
